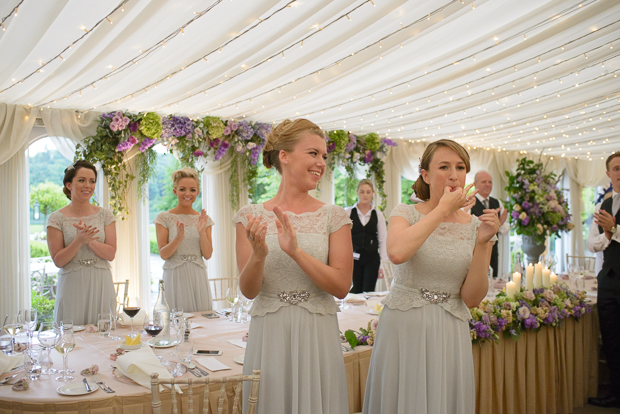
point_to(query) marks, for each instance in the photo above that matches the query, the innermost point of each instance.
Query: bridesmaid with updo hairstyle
(82, 241)
(184, 239)
(294, 254)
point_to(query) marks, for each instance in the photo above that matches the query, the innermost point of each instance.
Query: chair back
(236, 381)
(219, 287)
(587, 262)
(121, 285)
(388, 273)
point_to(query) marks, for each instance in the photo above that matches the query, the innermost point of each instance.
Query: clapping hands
(489, 226)
(287, 237)
(256, 233)
(202, 221)
(85, 233)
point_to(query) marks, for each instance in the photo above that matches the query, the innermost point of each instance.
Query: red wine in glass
(131, 307)
(131, 312)
(153, 330)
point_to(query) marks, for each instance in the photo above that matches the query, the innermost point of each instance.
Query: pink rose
(374, 324)
(113, 357)
(548, 295)
(523, 312)
(114, 126)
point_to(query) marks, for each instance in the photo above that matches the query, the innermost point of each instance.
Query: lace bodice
(189, 249)
(85, 256)
(441, 264)
(281, 273)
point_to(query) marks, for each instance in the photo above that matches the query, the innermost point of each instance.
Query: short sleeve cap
(338, 218)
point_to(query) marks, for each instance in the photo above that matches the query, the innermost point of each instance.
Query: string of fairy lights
(66, 48)
(13, 11)
(377, 43)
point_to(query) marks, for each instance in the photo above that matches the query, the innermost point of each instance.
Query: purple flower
(368, 157)
(146, 144)
(525, 205)
(554, 228)
(123, 146)
(221, 151)
(245, 131)
(214, 143)
(227, 130)
(388, 142)
(525, 221)
(133, 127)
(515, 215)
(485, 319)
(254, 156)
(177, 126)
(352, 143)
(363, 338)
(198, 153)
(262, 130)
(114, 126)
(531, 323)
(535, 210)
(331, 147)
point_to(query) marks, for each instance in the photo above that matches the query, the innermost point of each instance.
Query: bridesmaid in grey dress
(184, 238)
(422, 358)
(295, 254)
(82, 241)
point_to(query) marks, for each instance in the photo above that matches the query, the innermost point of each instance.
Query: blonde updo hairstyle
(284, 137)
(184, 173)
(421, 188)
(365, 181)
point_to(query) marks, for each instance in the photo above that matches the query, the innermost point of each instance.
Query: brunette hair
(70, 172)
(611, 157)
(365, 181)
(284, 137)
(421, 188)
(184, 173)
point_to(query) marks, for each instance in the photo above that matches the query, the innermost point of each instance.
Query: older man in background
(484, 201)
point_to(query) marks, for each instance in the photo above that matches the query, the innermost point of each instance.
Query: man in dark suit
(484, 185)
(604, 236)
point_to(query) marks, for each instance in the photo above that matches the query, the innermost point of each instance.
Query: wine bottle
(162, 308)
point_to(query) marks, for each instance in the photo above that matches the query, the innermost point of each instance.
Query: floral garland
(350, 150)
(537, 206)
(198, 141)
(529, 311)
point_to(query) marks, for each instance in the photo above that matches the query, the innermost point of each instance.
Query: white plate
(170, 345)
(239, 359)
(78, 328)
(131, 347)
(373, 311)
(76, 388)
(188, 315)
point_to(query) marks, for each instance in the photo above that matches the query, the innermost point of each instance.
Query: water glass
(31, 364)
(29, 318)
(185, 350)
(12, 326)
(104, 324)
(48, 337)
(65, 344)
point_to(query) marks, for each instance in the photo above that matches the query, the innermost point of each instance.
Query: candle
(516, 277)
(511, 289)
(529, 277)
(546, 273)
(538, 275)
(553, 278)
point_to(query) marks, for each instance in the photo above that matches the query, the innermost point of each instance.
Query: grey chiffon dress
(422, 357)
(294, 337)
(85, 284)
(185, 273)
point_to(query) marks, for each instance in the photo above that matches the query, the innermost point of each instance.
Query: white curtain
(14, 229)
(66, 128)
(16, 122)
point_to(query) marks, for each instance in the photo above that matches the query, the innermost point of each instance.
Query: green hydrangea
(340, 138)
(150, 125)
(373, 142)
(214, 126)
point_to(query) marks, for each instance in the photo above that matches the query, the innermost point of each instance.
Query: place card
(212, 364)
(238, 342)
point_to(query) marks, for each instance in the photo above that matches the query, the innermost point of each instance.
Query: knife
(86, 385)
(196, 367)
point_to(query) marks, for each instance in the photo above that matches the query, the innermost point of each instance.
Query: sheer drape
(16, 122)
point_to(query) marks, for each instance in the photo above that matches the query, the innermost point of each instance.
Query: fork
(102, 384)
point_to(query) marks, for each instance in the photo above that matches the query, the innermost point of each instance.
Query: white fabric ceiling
(497, 74)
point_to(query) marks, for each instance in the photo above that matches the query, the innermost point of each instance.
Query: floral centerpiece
(537, 206)
(530, 310)
(117, 134)
(350, 150)
(365, 336)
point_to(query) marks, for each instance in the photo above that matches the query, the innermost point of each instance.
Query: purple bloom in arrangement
(513, 332)
(177, 126)
(554, 228)
(262, 130)
(526, 205)
(368, 157)
(352, 143)
(227, 130)
(198, 153)
(132, 140)
(388, 142)
(245, 131)
(485, 319)
(233, 125)
(501, 322)
(531, 323)
(221, 151)
(507, 305)
(123, 146)
(362, 338)
(146, 144)
(536, 210)
(254, 156)
(214, 143)
(482, 331)
(331, 147)
(515, 215)
(525, 221)
(133, 127)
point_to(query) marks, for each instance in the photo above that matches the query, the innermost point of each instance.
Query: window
(406, 190)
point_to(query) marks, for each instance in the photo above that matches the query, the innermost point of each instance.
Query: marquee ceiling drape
(528, 75)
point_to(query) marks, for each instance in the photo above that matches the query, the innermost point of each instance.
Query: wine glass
(12, 325)
(29, 318)
(65, 344)
(67, 324)
(115, 310)
(153, 325)
(232, 297)
(131, 307)
(48, 337)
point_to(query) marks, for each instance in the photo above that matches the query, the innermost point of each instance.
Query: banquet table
(549, 371)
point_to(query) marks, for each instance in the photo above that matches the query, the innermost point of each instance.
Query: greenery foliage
(43, 305)
(49, 196)
(537, 206)
(38, 249)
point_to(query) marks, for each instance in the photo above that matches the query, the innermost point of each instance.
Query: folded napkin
(238, 342)
(8, 362)
(355, 298)
(211, 363)
(140, 364)
(195, 325)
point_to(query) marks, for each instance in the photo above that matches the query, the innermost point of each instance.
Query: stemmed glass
(154, 325)
(131, 307)
(177, 319)
(12, 325)
(65, 344)
(67, 324)
(115, 310)
(29, 320)
(232, 296)
(48, 337)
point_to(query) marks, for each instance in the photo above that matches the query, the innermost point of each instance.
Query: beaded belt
(435, 296)
(294, 297)
(188, 257)
(88, 262)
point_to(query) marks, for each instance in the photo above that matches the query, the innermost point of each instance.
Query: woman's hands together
(287, 237)
(256, 233)
(85, 233)
(489, 226)
(451, 201)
